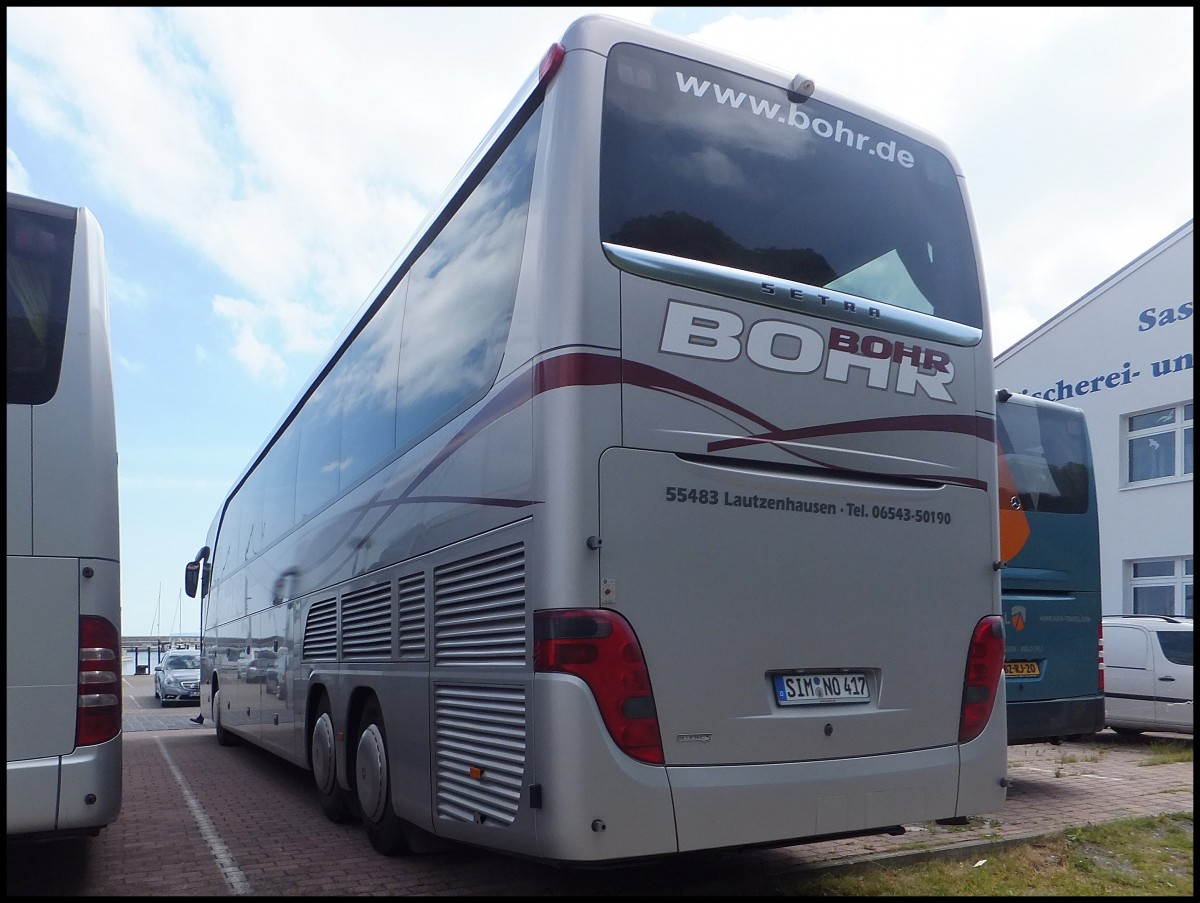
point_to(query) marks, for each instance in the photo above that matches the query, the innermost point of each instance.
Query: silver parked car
(177, 677)
(1148, 673)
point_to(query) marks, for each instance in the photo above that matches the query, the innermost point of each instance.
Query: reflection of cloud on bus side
(713, 166)
(337, 466)
(369, 386)
(455, 283)
(461, 293)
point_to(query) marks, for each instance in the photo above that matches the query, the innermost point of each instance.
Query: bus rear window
(701, 163)
(1047, 454)
(39, 283)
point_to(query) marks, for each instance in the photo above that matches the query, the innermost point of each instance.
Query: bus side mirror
(192, 573)
(191, 578)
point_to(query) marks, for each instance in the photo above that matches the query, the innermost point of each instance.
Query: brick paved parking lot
(199, 819)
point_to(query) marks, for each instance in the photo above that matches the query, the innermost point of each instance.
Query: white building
(1123, 355)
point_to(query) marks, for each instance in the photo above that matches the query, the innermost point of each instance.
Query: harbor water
(142, 659)
(145, 658)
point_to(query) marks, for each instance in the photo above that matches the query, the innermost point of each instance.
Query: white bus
(63, 712)
(648, 505)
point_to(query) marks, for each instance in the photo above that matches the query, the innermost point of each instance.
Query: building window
(1158, 444)
(1161, 586)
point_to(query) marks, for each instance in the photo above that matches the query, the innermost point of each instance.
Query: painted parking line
(235, 879)
(131, 695)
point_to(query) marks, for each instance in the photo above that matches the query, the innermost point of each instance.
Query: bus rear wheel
(335, 802)
(385, 830)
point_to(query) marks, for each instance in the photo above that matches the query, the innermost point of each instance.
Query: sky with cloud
(256, 172)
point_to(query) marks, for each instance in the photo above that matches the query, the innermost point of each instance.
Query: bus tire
(322, 756)
(224, 737)
(372, 776)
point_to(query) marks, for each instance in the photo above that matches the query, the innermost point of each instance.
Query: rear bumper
(627, 809)
(1050, 720)
(749, 804)
(65, 795)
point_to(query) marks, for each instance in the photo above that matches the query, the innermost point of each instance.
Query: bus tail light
(98, 718)
(550, 63)
(601, 648)
(985, 665)
(1100, 632)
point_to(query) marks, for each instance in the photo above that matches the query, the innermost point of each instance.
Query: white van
(1148, 673)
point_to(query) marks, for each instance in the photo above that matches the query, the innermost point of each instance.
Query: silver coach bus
(62, 580)
(648, 505)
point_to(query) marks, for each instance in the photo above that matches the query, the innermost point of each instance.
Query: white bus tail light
(600, 648)
(98, 717)
(985, 666)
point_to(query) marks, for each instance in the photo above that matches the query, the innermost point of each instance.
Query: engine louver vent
(367, 624)
(320, 631)
(480, 752)
(411, 614)
(479, 609)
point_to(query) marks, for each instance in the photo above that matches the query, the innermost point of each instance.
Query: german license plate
(1022, 669)
(821, 688)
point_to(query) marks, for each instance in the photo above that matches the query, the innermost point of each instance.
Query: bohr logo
(716, 334)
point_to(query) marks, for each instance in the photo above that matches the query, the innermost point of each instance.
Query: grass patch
(1164, 752)
(1144, 857)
